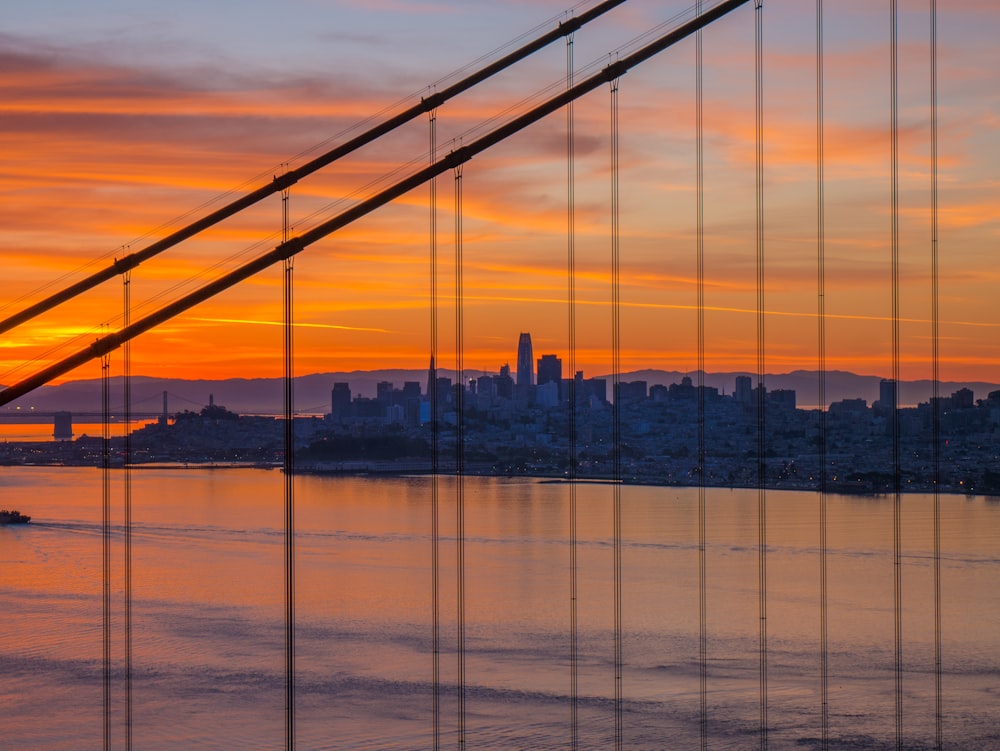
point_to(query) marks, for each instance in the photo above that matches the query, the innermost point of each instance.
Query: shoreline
(398, 469)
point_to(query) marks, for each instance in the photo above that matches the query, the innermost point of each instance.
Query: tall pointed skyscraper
(431, 379)
(525, 361)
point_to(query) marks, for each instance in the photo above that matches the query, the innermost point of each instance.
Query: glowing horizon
(100, 150)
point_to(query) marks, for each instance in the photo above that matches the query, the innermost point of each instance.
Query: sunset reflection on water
(208, 629)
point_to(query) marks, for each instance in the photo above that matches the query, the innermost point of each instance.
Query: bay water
(208, 629)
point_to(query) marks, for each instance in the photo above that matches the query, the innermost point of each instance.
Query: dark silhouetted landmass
(523, 429)
(312, 392)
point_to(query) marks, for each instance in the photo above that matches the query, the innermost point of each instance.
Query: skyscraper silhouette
(550, 369)
(525, 361)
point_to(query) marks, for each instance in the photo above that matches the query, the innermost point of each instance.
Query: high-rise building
(963, 399)
(550, 369)
(887, 395)
(445, 395)
(340, 399)
(431, 380)
(63, 426)
(410, 400)
(591, 390)
(383, 392)
(744, 389)
(525, 362)
(503, 384)
(411, 390)
(485, 389)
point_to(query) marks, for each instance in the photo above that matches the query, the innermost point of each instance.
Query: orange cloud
(98, 154)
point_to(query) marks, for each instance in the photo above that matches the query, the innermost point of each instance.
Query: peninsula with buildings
(532, 421)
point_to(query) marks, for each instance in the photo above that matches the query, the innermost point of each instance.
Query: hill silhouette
(312, 392)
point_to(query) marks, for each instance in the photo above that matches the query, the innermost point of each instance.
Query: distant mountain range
(312, 392)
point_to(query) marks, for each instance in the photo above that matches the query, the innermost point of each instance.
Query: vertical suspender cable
(616, 367)
(896, 489)
(821, 414)
(574, 680)
(460, 454)
(761, 411)
(127, 483)
(936, 389)
(106, 541)
(289, 485)
(435, 448)
(702, 511)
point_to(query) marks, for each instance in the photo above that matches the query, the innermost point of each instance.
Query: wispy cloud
(102, 146)
(296, 324)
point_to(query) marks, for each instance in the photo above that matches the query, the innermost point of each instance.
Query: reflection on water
(15, 431)
(209, 635)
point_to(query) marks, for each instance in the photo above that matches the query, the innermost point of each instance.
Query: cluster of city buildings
(521, 422)
(535, 421)
(502, 392)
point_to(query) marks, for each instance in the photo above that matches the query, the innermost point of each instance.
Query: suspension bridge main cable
(297, 244)
(280, 183)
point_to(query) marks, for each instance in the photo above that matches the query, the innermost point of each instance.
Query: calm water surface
(208, 629)
(38, 432)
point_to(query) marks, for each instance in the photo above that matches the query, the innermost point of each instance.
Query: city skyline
(114, 143)
(263, 395)
(520, 429)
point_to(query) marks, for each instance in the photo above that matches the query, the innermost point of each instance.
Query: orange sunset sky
(120, 121)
